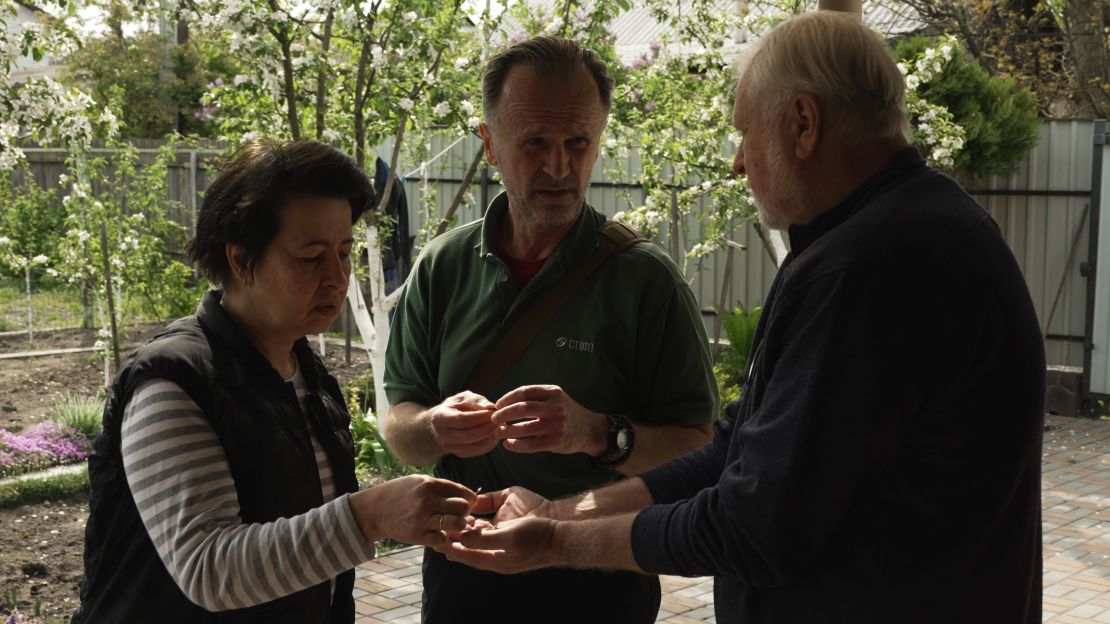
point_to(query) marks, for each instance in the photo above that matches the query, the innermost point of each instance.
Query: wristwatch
(622, 437)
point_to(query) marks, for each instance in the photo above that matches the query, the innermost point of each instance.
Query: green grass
(52, 305)
(28, 491)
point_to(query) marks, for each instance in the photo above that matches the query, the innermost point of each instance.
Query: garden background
(114, 115)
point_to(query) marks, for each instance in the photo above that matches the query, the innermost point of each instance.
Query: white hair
(841, 62)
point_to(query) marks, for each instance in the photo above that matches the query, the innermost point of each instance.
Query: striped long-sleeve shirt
(180, 478)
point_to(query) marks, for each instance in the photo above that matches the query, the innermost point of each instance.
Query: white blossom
(442, 109)
(405, 104)
(377, 56)
(40, 259)
(703, 249)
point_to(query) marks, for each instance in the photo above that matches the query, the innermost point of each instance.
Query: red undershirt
(521, 270)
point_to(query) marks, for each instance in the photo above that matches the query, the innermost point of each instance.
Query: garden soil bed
(41, 544)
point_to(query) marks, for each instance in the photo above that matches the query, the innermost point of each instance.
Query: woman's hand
(416, 509)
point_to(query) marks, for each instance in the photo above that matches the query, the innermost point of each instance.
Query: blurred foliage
(157, 83)
(1058, 49)
(739, 324)
(372, 454)
(30, 218)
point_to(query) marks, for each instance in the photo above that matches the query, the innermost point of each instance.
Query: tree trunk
(1091, 54)
(380, 304)
(281, 34)
(360, 103)
(443, 223)
(772, 243)
(322, 77)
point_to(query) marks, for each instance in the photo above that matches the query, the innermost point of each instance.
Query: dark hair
(545, 55)
(242, 204)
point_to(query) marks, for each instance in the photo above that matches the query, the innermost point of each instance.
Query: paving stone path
(1075, 499)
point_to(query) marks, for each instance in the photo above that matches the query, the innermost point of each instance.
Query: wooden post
(346, 332)
(674, 242)
(108, 291)
(30, 308)
(722, 305)
(847, 6)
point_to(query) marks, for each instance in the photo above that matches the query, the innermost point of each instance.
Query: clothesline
(424, 165)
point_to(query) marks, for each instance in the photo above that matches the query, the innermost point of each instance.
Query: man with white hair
(883, 462)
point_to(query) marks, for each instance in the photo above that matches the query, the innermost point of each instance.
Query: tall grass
(83, 413)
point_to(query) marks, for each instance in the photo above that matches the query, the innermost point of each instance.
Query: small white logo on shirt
(574, 345)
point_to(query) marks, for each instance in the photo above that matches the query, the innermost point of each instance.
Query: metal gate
(1096, 378)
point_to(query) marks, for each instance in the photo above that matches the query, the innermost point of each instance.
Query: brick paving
(1075, 497)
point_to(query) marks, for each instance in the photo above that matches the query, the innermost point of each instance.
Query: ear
(237, 262)
(804, 119)
(487, 142)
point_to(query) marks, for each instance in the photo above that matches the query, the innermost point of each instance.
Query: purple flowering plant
(40, 446)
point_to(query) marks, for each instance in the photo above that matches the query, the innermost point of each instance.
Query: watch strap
(616, 454)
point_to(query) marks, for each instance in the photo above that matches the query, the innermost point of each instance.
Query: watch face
(623, 440)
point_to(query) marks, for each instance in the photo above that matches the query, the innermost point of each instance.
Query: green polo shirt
(629, 340)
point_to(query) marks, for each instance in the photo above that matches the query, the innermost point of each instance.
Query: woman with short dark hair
(223, 486)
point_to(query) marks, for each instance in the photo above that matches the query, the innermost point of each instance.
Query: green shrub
(998, 117)
(372, 454)
(30, 219)
(83, 413)
(727, 386)
(739, 324)
(371, 451)
(359, 393)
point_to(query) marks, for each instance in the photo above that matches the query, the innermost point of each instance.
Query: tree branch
(463, 187)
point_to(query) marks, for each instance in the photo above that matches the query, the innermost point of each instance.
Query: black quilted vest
(258, 419)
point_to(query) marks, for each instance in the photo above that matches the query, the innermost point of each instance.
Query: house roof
(636, 29)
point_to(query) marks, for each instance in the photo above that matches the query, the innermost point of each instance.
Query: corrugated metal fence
(1042, 209)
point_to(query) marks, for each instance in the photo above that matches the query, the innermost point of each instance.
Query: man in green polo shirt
(617, 382)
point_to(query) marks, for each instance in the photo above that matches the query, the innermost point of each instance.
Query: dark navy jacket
(883, 462)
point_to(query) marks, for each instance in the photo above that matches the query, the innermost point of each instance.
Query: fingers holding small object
(531, 445)
(528, 429)
(447, 522)
(528, 393)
